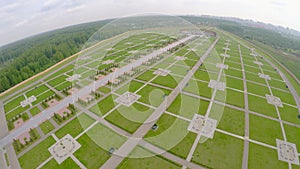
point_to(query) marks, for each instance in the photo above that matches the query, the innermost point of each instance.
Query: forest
(25, 58)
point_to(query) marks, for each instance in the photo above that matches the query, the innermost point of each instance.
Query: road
(129, 145)
(45, 114)
(288, 83)
(246, 142)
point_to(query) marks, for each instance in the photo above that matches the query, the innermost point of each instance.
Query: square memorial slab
(64, 148)
(225, 55)
(73, 78)
(221, 66)
(28, 101)
(274, 100)
(203, 125)
(180, 58)
(127, 98)
(217, 85)
(263, 76)
(161, 72)
(108, 62)
(287, 152)
(258, 63)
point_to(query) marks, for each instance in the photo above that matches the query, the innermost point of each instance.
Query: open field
(109, 115)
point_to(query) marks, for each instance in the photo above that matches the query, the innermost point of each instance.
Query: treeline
(25, 58)
(281, 41)
(268, 37)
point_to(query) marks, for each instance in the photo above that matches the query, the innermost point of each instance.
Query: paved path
(128, 146)
(55, 91)
(239, 108)
(289, 84)
(194, 146)
(9, 150)
(45, 114)
(13, 160)
(246, 142)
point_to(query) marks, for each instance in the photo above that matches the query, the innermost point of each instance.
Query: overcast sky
(19, 18)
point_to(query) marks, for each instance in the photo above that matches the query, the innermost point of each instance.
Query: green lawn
(104, 106)
(15, 112)
(46, 127)
(234, 83)
(233, 64)
(257, 89)
(232, 121)
(151, 161)
(105, 137)
(190, 63)
(234, 72)
(75, 127)
(232, 97)
(285, 97)
(43, 96)
(198, 88)
(289, 114)
(63, 85)
(202, 75)
(13, 103)
(162, 65)
(179, 70)
(132, 86)
(62, 71)
(57, 80)
(104, 89)
(292, 135)
(264, 130)
(260, 105)
(146, 76)
(38, 154)
(153, 95)
(168, 81)
(67, 164)
(37, 91)
(129, 118)
(183, 148)
(34, 111)
(278, 84)
(263, 157)
(187, 106)
(255, 78)
(90, 154)
(255, 70)
(221, 152)
(169, 133)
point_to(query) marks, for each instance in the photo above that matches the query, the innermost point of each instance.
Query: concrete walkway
(129, 145)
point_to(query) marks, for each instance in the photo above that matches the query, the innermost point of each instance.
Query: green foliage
(25, 58)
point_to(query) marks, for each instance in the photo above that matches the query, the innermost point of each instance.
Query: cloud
(76, 8)
(278, 3)
(10, 7)
(23, 22)
(36, 16)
